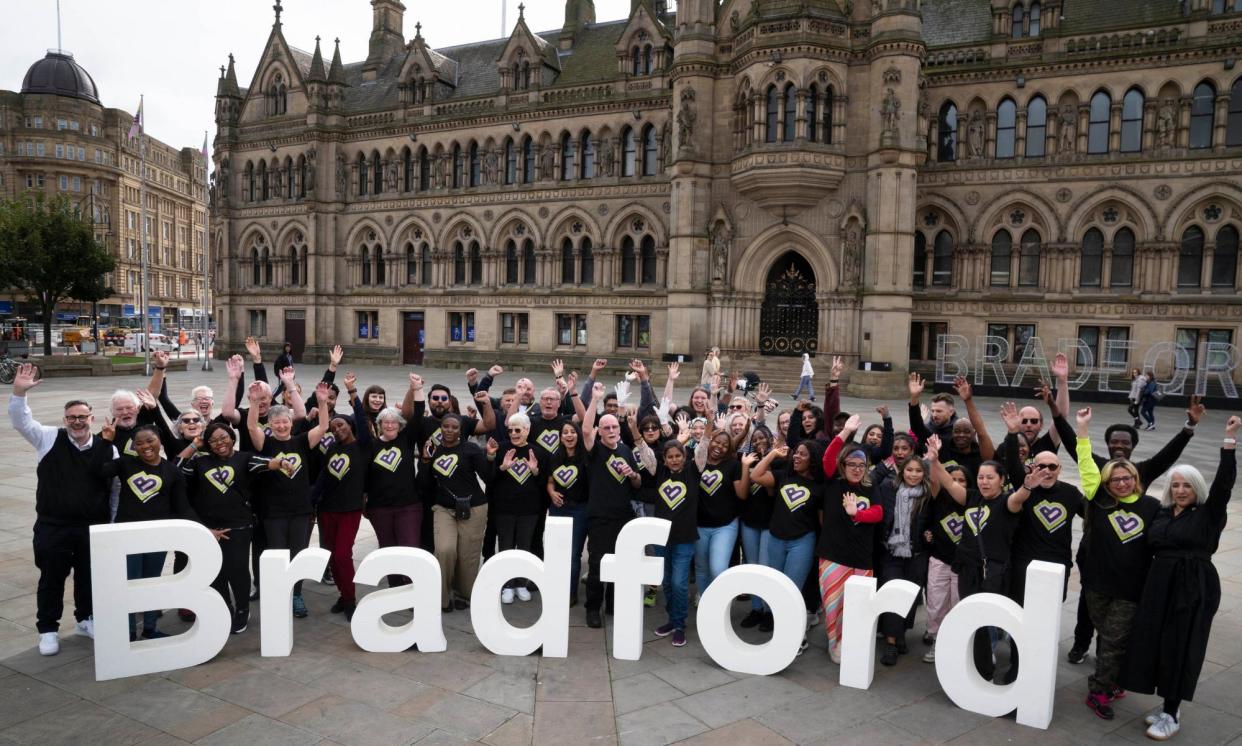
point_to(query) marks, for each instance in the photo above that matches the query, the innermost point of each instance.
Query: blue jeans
(148, 565)
(755, 548)
(712, 552)
(677, 581)
(578, 512)
(804, 383)
(793, 557)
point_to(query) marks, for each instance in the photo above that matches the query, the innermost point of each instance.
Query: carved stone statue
(547, 164)
(1166, 125)
(223, 179)
(720, 237)
(390, 175)
(440, 173)
(609, 158)
(890, 112)
(342, 176)
(686, 118)
(975, 135)
(851, 255)
(734, 22)
(666, 145)
(489, 167)
(1068, 142)
(310, 172)
(278, 175)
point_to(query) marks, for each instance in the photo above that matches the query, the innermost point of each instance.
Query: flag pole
(145, 242)
(204, 341)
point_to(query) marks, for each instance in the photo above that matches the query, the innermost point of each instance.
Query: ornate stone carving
(975, 140)
(1163, 192)
(851, 256)
(892, 76)
(890, 115)
(547, 164)
(686, 118)
(342, 175)
(608, 162)
(1068, 142)
(720, 237)
(1166, 125)
(309, 183)
(1064, 195)
(972, 198)
(489, 167)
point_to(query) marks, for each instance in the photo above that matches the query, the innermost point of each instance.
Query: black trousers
(515, 532)
(972, 579)
(59, 550)
(899, 568)
(235, 569)
(292, 533)
(601, 539)
(489, 537)
(258, 545)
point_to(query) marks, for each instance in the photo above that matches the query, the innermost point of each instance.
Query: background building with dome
(770, 176)
(57, 137)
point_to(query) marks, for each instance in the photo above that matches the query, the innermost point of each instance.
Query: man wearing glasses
(68, 500)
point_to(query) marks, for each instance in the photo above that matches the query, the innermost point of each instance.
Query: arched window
(529, 266)
(1006, 128)
(791, 114)
(629, 262)
(588, 156)
(377, 174)
(1225, 258)
(812, 116)
(269, 269)
(647, 59)
(263, 181)
(291, 179)
(1132, 121)
(528, 160)
(1002, 254)
(459, 264)
(1036, 127)
(1032, 20)
(411, 265)
(942, 260)
(511, 262)
(294, 266)
(649, 260)
(425, 261)
(476, 264)
(363, 181)
(636, 62)
(250, 182)
(366, 264)
(920, 260)
(1202, 107)
(474, 164)
(651, 151)
(1122, 273)
(256, 268)
(458, 175)
(407, 170)
(946, 128)
(627, 152)
(424, 170)
(567, 262)
(379, 265)
(526, 75)
(1233, 125)
(1016, 30)
(1092, 262)
(1028, 260)
(279, 96)
(586, 276)
(1097, 127)
(510, 161)
(567, 157)
(1190, 259)
(302, 173)
(773, 114)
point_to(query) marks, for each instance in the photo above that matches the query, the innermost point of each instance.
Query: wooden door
(412, 338)
(295, 332)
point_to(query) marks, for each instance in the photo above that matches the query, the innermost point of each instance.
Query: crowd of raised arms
(810, 492)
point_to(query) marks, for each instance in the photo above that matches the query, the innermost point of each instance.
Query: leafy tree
(49, 252)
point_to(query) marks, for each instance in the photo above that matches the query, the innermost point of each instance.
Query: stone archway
(789, 318)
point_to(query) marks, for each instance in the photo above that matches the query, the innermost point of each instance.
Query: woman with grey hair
(394, 506)
(516, 494)
(1182, 592)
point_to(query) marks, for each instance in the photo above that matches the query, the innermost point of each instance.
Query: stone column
(1220, 117)
(1114, 128)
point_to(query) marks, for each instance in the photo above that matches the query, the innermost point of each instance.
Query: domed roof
(59, 75)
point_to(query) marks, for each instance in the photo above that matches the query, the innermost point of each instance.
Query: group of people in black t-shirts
(803, 491)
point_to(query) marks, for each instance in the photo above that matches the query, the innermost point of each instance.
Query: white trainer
(1155, 714)
(1164, 728)
(523, 594)
(506, 596)
(49, 643)
(834, 653)
(85, 628)
(930, 655)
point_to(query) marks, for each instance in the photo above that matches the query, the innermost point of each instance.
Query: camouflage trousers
(1113, 619)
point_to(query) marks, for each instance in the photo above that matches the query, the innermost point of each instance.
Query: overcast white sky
(172, 50)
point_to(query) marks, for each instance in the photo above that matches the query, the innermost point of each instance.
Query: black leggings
(1171, 706)
(972, 579)
(235, 569)
(292, 533)
(515, 532)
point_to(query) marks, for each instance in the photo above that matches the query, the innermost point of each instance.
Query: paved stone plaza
(329, 691)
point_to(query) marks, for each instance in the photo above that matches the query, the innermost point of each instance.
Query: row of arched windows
(1025, 21)
(280, 180)
(263, 267)
(781, 121)
(277, 96)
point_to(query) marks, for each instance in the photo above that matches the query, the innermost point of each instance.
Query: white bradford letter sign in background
(1034, 626)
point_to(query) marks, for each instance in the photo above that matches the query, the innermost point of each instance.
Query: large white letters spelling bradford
(116, 598)
(1034, 626)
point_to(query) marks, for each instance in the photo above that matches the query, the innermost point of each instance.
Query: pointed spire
(418, 30)
(227, 85)
(521, 11)
(278, 10)
(316, 68)
(337, 73)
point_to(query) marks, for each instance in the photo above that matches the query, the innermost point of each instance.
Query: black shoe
(766, 624)
(461, 605)
(1076, 655)
(255, 596)
(929, 638)
(593, 619)
(752, 619)
(327, 578)
(348, 611)
(153, 634)
(240, 620)
(447, 609)
(339, 606)
(889, 658)
(573, 600)
(902, 648)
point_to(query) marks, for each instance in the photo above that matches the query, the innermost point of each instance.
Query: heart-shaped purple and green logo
(145, 486)
(295, 461)
(128, 450)
(1051, 515)
(437, 437)
(519, 471)
(953, 525)
(221, 478)
(446, 464)
(326, 442)
(795, 496)
(977, 518)
(616, 467)
(711, 480)
(565, 476)
(389, 458)
(1128, 526)
(550, 439)
(338, 465)
(673, 493)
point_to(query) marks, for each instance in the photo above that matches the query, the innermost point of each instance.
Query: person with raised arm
(394, 505)
(754, 523)
(341, 486)
(675, 499)
(1182, 591)
(941, 525)
(567, 491)
(722, 484)
(69, 499)
(517, 496)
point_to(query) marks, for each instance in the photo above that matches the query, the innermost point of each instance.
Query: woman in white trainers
(1182, 591)
(516, 494)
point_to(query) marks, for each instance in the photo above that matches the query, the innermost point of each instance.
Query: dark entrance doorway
(295, 332)
(412, 338)
(789, 321)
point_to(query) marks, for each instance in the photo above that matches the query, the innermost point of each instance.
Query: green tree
(49, 252)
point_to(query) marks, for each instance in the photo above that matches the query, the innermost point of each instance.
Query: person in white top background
(805, 381)
(711, 367)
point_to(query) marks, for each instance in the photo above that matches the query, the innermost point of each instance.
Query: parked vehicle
(136, 342)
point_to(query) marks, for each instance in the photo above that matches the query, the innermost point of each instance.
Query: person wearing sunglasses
(68, 501)
(1114, 557)
(516, 496)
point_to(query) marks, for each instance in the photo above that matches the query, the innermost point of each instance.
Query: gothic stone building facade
(769, 176)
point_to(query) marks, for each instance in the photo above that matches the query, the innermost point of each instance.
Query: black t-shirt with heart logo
(149, 492)
(454, 472)
(219, 488)
(942, 516)
(286, 495)
(518, 490)
(390, 472)
(718, 501)
(795, 506)
(1113, 556)
(988, 531)
(610, 491)
(1044, 527)
(344, 477)
(568, 475)
(545, 434)
(676, 498)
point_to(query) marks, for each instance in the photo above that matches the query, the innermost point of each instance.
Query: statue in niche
(686, 118)
(342, 175)
(851, 258)
(1068, 141)
(440, 173)
(310, 172)
(1166, 125)
(390, 168)
(666, 145)
(975, 135)
(720, 236)
(609, 157)
(890, 113)
(547, 164)
(222, 181)
(489, 167)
